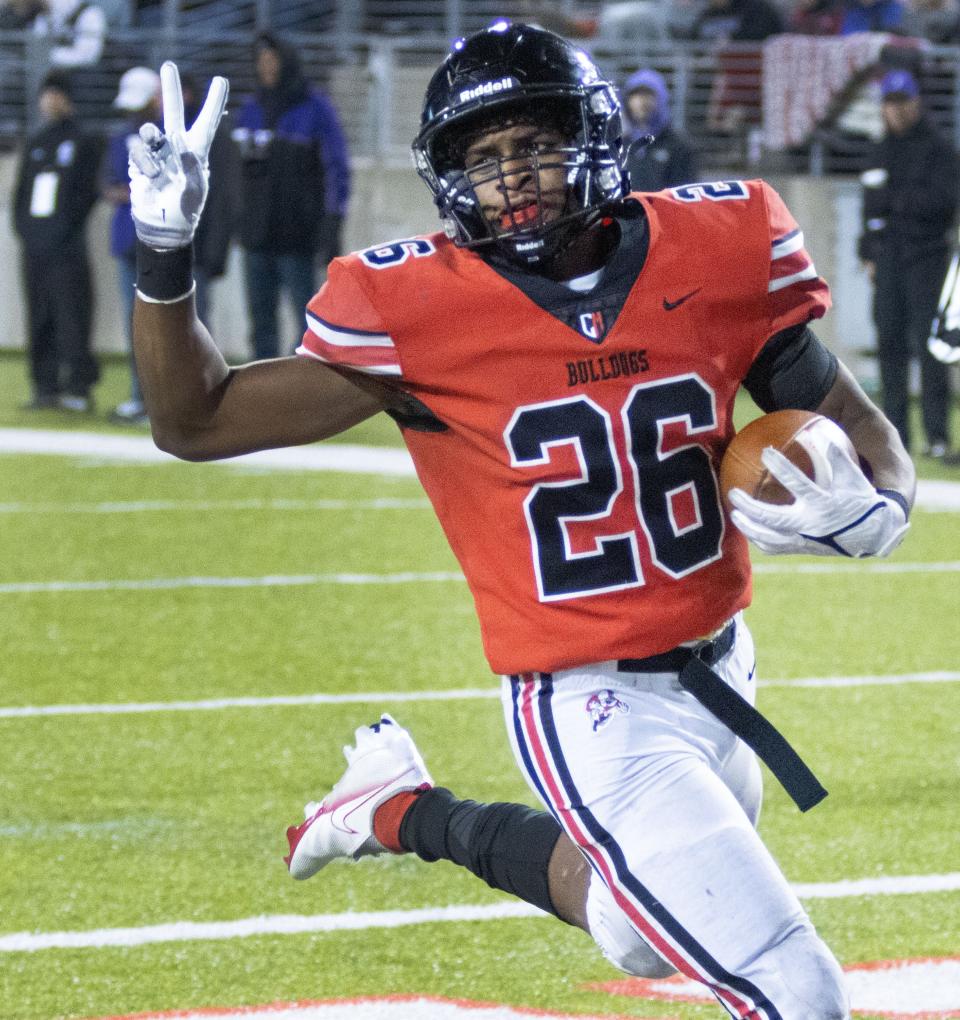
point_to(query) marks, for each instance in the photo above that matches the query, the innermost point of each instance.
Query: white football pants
(662, 800)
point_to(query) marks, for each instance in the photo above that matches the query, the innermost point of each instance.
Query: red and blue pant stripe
(544, 761)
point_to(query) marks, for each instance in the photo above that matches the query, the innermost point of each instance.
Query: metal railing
(445, 18)
(377, 83)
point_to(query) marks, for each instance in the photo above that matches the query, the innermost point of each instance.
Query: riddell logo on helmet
(488, 88)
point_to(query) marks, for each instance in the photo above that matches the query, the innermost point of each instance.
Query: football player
(563, 361)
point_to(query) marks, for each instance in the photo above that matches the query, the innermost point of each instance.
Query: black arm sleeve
(793, 369)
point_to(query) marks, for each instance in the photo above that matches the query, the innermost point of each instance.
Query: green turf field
(113, 820)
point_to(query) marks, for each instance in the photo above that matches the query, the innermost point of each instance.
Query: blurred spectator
(623, 21)
(909, 205)
(935, 20)
(737, 21)
(55, 191)
(871, 16)
(296, 184)
(816, 17)
(669, 159)
(139, 98)
(633, 21)
(211, 242)
(78, 27)
(735, 98)
(16, 15)
(550, 15)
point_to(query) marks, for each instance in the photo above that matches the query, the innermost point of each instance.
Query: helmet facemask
(526, 232)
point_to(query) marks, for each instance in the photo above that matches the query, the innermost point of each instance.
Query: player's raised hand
(844, 516)
(169, 174)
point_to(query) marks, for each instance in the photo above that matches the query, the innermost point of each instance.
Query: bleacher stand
(373, 57)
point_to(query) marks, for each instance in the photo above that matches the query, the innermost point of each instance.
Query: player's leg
(512, 848)
(385, 801)
(680, 866)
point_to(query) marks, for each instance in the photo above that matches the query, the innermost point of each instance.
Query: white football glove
(946, 348)
(845, 516)
(944, 342)
(168, 169)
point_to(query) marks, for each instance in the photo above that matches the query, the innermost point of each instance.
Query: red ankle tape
(387, 819)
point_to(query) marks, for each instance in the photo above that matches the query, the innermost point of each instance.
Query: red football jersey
(577, 479)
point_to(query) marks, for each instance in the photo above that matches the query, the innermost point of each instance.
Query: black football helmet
(508, 73)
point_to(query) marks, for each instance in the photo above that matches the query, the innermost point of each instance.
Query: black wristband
(898, 498)
(164, 275)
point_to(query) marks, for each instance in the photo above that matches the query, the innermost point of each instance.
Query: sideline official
(909, 206)
(55, 191)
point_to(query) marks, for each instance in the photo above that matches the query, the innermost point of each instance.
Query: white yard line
(854, 567)
(216, 704)
(851, 569)
(883, 885)
(398, 697)
(295, 924)
(211, 505)
(346, 457)
(942, 496)
(940, 676)
(267, 581)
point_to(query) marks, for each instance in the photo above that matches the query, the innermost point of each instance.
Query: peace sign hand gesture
(169, 176)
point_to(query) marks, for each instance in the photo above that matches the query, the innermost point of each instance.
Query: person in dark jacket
(737, 21)
(669, 159)
(55, 191)
(138, 97)
(816, 17)
(909, 206)
(296, 184)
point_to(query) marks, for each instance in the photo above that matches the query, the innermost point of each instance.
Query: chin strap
(640, 142)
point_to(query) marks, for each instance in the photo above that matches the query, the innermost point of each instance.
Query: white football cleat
(384, 762)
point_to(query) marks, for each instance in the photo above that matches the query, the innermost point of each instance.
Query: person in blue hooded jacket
(295, 188)
(670, 159)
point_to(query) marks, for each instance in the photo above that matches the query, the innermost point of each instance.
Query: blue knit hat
(899, 83)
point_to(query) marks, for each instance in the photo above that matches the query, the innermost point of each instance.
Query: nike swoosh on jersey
(668, 306)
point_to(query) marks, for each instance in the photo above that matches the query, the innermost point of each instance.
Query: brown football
(794, 433)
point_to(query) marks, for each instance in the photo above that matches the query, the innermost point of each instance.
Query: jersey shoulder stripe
(789, 262)
(373, 353)
(372, 360)
(797, 293)
(344, 336)
(345, 329)
(787, 244)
